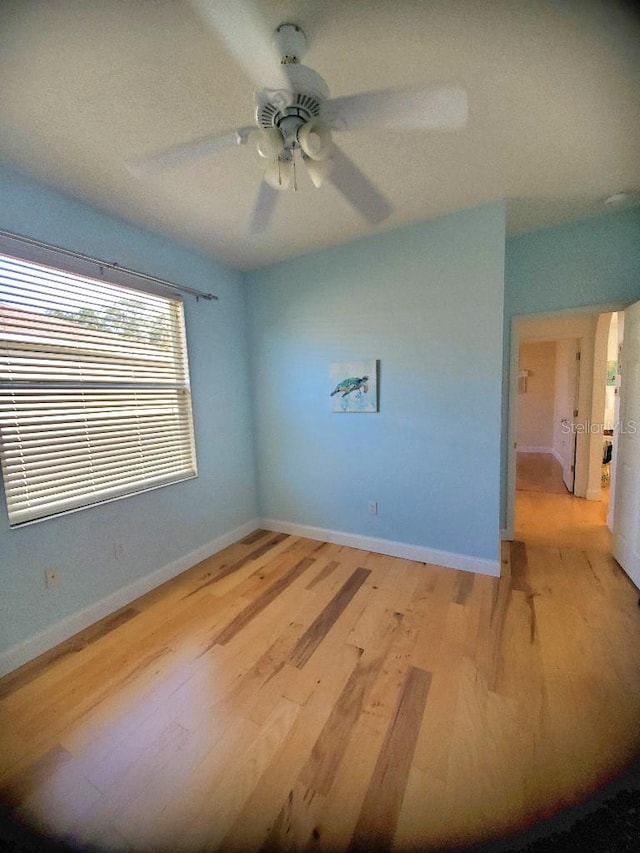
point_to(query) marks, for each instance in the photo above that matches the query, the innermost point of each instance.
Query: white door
(568, 424)
(626, 523)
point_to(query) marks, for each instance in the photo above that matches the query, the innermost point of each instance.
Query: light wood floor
(539, 472)
(547, 514)
(292, 695)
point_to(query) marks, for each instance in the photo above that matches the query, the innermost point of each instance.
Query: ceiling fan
(295, 117)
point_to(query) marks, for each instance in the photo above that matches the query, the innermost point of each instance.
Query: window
(94, 391)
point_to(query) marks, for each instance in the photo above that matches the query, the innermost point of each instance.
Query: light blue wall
(593, 262)
(584, 263)
(427, 301)
(158, 527)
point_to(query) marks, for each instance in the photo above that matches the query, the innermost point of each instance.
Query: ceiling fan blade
(443, 108)
(357, 188)
(187, 151)
(263, 211)
(248, 38)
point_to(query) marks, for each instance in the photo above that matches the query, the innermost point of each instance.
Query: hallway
(546, 514)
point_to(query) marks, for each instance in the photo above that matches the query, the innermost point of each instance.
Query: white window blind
(95, 401)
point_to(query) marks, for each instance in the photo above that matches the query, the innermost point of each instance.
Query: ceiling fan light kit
(269, 143)
(315, 139)
(319, 171)
(294, 121)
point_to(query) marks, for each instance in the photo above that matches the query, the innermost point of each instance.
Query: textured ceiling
(554, 111)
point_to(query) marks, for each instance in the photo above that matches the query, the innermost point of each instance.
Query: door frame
(626, 544)
(516, 325)
(572, 461)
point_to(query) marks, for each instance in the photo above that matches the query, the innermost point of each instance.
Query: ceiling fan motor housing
(289, 109)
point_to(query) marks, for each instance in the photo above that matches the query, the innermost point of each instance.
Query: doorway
(557, 493)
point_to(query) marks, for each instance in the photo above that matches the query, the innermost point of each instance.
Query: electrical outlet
(373, 507)
(118, 550)
(51, 577)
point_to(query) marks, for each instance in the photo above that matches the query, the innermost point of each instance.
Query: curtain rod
(199, 294)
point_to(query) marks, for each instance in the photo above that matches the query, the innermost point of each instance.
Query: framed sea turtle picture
(354, 386)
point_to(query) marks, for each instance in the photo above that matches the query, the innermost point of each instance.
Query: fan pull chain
(295, 177)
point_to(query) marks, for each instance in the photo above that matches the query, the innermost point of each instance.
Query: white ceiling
(554, 111)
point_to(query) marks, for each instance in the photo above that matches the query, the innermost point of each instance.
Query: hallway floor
(547, 514)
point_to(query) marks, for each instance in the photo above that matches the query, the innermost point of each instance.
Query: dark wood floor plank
(224, 571)
(261, 602)
(381, 808)
(520, 581)
(326, 755)
(499, 605)
(519, 566)
(318, 630)
(254, 537)
(268, 571)
(25, 674)
(465, 586)
(323, 573)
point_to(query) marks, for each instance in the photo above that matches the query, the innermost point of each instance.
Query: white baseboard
(533, 448)
(386, 546)
(594, 494)
(21, 653)
(28, 649)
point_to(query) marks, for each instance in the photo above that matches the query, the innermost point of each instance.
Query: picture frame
(354, 386)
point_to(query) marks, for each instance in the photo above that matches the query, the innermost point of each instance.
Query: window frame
(109, 275)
